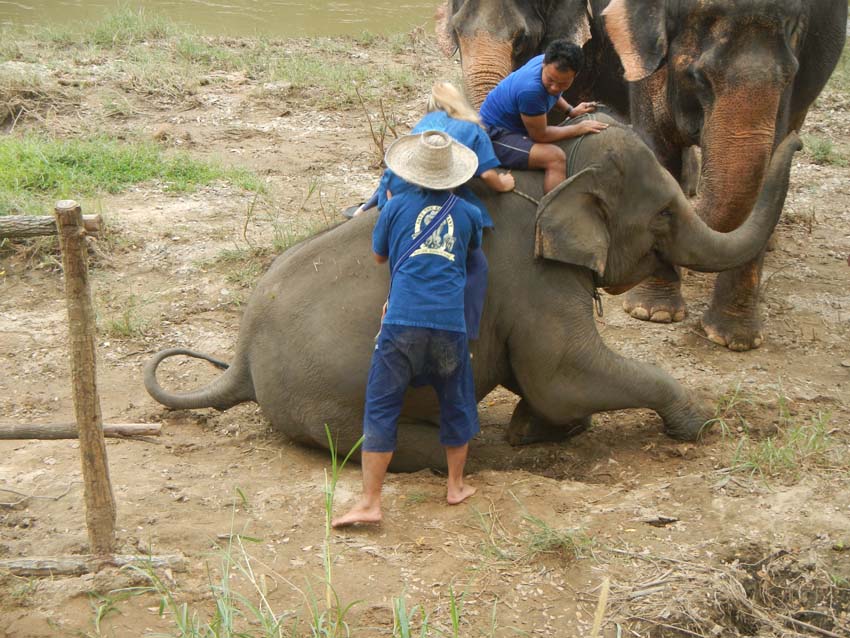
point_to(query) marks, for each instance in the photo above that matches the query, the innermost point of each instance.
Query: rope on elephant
(526, 196)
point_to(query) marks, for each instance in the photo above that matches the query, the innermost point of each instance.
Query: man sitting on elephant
(515, 113)
(426, 234)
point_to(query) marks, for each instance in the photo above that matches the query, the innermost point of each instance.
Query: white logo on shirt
(442, 241)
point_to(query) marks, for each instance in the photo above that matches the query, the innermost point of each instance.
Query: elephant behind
(730, 76)
(617, 218)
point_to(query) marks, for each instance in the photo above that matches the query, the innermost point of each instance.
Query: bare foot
(455, 497)
(358, 514)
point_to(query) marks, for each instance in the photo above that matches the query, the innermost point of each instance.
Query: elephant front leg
(526, 427)
(732, 319)
(657, 300)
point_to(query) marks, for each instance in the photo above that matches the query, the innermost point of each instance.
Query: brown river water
(273, 18)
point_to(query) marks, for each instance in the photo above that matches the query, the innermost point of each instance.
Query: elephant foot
(526, 428)
(736, 332)
(687, 421)
(656, 301)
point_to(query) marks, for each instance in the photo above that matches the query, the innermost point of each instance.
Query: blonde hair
(445, 96)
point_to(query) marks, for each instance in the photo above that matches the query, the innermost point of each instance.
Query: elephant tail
(231, 388)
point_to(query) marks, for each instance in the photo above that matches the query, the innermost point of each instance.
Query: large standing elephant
(730, 76)
(620, 216)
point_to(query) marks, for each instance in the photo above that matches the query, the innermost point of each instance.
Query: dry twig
(25, 497)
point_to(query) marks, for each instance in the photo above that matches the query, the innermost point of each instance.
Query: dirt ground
(717, 538)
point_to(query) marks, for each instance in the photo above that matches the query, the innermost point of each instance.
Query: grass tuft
(793, 447)
(121, 28)
(823, 152)
(127, 323)
(544, 539)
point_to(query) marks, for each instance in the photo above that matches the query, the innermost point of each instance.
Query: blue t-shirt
(467, 133)
(427, 290)
(521, 93)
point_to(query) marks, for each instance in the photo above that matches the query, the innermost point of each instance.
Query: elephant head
(719, 74)
(625, 219)
(497, 36)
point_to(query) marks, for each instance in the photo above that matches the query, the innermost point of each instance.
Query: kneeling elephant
(307, 333)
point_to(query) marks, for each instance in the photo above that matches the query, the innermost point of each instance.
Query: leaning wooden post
(100, 503)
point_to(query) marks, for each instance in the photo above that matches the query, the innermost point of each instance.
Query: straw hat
(432, 160)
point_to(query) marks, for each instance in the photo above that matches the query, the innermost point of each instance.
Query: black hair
(565, 55)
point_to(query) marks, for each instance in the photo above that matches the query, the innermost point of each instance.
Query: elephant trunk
(486, 61)
(737, 141)
(695, 245)
(231, 388)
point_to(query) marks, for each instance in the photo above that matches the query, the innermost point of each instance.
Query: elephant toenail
(640, 313)
(716, 338)
(661, 316)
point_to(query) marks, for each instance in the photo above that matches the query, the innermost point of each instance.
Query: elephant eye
(697, 77)
(666, 213)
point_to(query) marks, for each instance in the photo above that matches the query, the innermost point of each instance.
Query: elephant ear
(637, 29)
(571, 224)
(443, 27)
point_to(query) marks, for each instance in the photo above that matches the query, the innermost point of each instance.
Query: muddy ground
(745, 533)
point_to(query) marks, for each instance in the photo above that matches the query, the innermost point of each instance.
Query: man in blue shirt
(515, 113)
(423, 337)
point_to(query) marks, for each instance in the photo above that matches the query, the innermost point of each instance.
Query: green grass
(128, 323)
(37, 170)
(148, 54)
(794, 447)
(117, 29)
(823, 152)
(542, 538)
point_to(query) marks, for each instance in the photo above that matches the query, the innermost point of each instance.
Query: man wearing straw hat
(425, 233)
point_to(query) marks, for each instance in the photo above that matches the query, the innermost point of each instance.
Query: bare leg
(368, 508)
(457, 491)
(552, 160)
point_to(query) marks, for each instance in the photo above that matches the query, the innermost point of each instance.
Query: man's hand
(506, 182)
(583, 109)
(499, 182)
(588, 126)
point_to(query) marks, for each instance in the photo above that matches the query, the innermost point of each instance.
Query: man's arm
(540, 131)
(577, 110)
(380, 259)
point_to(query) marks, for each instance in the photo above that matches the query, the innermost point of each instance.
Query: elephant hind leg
(418, 447)
(526, 427)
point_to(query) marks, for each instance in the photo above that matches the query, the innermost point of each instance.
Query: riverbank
(732, 536)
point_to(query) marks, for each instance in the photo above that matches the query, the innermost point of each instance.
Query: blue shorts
(511, 148)
(411, 356)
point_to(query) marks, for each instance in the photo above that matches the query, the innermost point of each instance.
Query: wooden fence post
(100, 503)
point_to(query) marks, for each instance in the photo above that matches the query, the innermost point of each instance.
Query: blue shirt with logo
(521, 93)
(467, 133)
(428, 289)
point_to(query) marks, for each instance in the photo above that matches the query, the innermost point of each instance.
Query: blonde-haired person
(449, 112)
